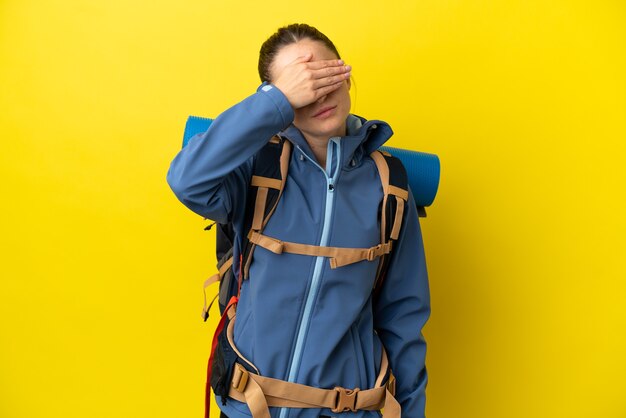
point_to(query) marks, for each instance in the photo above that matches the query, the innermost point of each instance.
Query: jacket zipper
(317, 271)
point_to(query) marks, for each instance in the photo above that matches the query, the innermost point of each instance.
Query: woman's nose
(321, 99)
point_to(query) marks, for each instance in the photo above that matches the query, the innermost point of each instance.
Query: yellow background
(523, 101)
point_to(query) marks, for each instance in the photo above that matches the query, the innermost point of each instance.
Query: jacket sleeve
(401, 311)
(211, 174)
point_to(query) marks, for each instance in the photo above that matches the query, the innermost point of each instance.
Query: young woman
(301, 319)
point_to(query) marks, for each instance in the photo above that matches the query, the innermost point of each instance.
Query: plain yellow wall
(523, 101)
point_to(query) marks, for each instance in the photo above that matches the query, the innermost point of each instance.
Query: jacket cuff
(280, 101)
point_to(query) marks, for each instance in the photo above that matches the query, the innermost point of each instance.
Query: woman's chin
(335, 126)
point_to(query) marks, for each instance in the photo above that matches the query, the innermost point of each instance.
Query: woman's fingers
(327, 70)
(323, 91)
(328, 81)
(317, 65)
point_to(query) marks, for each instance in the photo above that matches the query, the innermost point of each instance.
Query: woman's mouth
(325, 112)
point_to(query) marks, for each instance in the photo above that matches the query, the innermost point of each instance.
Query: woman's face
(328, 124)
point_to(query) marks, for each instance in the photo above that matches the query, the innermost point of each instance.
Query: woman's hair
(288, 35)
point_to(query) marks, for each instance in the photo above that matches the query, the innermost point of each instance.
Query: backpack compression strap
(394, 181)
(215, 278)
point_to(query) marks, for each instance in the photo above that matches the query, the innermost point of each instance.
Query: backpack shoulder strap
(266, 187)
(394, 181)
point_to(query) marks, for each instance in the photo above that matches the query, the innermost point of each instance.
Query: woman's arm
(212, 172)
(210, 175)
(401, 311)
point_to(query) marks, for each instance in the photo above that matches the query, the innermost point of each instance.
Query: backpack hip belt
(260, 392)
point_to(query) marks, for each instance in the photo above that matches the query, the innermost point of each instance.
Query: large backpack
(270, 169)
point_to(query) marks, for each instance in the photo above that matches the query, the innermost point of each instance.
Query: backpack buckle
(345, 400)
(373, 252)
(240, 378)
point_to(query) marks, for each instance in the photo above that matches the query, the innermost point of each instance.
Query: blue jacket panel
(298, 319)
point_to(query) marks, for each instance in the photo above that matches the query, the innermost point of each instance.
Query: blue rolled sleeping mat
(423, 169)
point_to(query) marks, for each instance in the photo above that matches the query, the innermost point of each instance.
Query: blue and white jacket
(298, 319)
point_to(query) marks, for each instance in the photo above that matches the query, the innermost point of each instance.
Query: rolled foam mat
(423, 169)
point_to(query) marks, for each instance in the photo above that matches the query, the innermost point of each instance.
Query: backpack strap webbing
(394, 181)
(215, 278)
(268, 180)
(338, 256)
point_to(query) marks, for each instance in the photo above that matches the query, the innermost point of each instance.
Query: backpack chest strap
(338, 256)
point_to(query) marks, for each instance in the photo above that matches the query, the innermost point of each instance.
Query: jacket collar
(362, 138)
